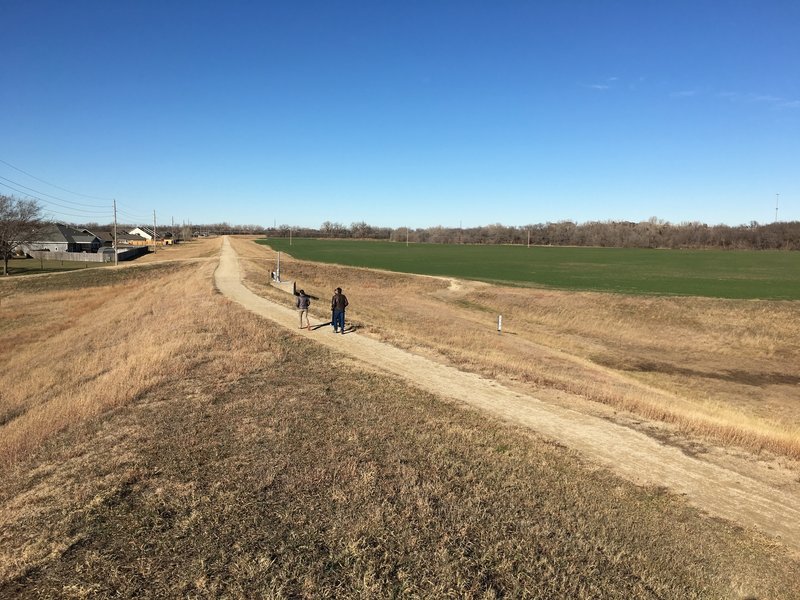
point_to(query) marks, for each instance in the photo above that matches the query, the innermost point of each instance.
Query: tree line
(21, 218)
(653, 233)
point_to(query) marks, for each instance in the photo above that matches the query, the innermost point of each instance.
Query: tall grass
(727, 370)
(71, 354)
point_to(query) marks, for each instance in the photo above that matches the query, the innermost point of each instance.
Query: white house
(145, 232)
(164, 237)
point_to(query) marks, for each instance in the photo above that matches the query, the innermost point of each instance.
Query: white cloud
(776, 102)
(606, 84)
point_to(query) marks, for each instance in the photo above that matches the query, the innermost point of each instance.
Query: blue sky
(402, 113)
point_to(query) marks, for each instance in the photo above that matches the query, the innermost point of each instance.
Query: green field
(713, 273)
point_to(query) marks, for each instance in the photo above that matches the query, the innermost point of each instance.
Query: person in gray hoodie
(302, 303)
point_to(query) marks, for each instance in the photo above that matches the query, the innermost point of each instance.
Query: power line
(69, 202)
(53, 184)
(137, 218)
(74, 206)
(94, 212)
(63, 214)
(132, 215)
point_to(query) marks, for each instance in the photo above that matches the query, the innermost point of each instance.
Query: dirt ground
(731, 491)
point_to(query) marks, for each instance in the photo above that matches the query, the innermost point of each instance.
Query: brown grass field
(156, 440)
(724, 370)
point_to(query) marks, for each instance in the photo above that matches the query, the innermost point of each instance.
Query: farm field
(227, 457)
(709, 273)
(727, 370)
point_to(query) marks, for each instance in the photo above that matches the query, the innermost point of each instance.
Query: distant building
(106, 238)
(58, 237)
(145, 232)
(164, 238)
(123, 239)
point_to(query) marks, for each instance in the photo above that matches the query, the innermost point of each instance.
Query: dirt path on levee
(633, 455)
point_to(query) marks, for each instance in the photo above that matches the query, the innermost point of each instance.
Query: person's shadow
(348, 329)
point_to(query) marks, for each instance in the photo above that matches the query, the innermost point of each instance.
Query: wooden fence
(126, 254)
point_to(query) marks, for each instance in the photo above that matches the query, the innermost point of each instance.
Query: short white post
(500, 324)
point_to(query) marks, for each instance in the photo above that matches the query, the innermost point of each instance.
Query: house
(130, 239)
(145, 232)
(106, 238)
(123, 239)
(164, 238)
(58, 237)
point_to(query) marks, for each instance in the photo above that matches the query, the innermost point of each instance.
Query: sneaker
(335, 331)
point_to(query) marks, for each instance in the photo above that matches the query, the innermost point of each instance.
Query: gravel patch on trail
(633, 455)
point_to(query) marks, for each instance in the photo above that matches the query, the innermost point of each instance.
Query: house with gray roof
(58, 237)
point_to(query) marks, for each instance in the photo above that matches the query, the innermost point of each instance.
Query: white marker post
(500, 324)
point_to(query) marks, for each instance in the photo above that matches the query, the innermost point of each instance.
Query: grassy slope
(717, 274)
(275, 469)
(723, 370)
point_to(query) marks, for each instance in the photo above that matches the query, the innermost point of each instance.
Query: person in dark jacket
(338, 304)
(302, 303)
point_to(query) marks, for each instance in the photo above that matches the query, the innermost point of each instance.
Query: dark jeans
(338, 320)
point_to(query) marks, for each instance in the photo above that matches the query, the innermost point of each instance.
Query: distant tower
(777, 196)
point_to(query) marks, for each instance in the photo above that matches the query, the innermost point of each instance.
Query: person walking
(302, 303)
(338, 304)
(333, 314)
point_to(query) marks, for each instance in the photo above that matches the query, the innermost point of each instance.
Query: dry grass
(70, 354)
(722, 369)
(74, 345)
(253, 463)
(194, 248)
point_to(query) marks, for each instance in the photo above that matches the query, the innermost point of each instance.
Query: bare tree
(362, 229)
(20, 221)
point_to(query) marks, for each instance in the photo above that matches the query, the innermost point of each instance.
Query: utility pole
(406, 237)
(777, 196)
(154, 232)
(529, 238)
(116, 262)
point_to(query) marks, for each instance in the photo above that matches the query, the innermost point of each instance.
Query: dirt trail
(631, 454)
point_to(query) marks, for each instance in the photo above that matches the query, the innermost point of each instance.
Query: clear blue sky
(403, 113)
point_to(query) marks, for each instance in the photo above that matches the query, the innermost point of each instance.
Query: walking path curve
(631, 454)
